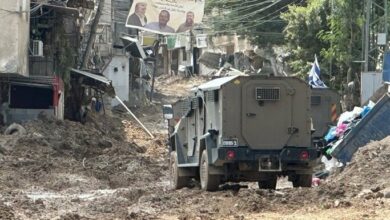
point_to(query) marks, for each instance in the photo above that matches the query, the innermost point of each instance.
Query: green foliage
(302, 34)
(344, 35)
(331, 29)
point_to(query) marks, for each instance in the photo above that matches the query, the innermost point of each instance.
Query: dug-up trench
(109, 168)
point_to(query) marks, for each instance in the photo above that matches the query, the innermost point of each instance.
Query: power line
(245, 7)
(257, 24)
(246, 27)
(240, 17)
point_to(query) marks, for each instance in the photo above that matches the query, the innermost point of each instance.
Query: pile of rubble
(60, 165)
(368, 174)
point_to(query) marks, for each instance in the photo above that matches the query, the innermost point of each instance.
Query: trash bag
(331, 135)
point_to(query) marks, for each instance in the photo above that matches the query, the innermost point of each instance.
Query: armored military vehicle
(242, 128)
(325, 110)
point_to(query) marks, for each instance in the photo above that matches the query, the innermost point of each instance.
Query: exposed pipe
(131, 113)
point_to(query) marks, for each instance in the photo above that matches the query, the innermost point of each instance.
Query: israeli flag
(314, 75)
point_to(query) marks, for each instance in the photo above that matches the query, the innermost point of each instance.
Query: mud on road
(109, 168)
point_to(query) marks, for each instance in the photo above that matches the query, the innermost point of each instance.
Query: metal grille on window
(184, 107)
(212, 96)
(315, 100)
(194, 103)
(267, 94)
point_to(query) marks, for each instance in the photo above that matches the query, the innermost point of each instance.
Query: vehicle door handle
(250, 114)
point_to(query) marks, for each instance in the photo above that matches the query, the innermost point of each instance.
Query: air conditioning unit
(37, 48)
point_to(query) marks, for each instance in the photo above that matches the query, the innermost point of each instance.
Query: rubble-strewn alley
(109, 168)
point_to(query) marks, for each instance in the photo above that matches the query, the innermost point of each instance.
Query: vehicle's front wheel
(176, 181)
(208, 181)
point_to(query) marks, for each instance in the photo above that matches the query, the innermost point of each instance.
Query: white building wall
(106, 16)
(371, 81)
(118, 72)
(14, 36)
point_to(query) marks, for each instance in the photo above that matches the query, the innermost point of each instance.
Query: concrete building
(39, 42)
(14, 37)
(118, 72)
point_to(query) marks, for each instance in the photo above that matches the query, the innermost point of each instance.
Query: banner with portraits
(165, 16)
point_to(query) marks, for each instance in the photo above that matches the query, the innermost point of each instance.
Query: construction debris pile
(368, 174)
(58, 164)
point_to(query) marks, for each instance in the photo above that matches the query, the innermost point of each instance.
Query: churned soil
(110, 168)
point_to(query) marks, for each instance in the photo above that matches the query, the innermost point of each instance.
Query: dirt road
(110, 169)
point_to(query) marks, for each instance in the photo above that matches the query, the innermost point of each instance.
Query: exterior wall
(120, 10)
(371, 81)
(230, 44)
(14, 36)
(103, 42)
(225, 44)
(105, 18)
(19, 115)
(118, 72)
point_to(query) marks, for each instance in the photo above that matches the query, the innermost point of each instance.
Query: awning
(33, 81)
(36, 85)
(94, 80)
(133, 46)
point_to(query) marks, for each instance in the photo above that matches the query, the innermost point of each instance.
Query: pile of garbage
(346, 122)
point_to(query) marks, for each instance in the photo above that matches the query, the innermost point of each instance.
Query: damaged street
(109, 168)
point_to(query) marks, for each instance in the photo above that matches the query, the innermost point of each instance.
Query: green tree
(304, 23)
(330, 28)
(344, 37)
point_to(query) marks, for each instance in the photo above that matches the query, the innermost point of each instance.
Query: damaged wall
(14, 36)
(230, 44)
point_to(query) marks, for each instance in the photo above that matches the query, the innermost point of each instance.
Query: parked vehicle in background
(325, 110)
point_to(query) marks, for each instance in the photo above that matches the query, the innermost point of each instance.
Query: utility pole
(92, 35)
(375, 23)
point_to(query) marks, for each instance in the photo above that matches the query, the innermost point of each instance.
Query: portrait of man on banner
(138, 18)
(188, 24)
(162, 24)
(165, 17)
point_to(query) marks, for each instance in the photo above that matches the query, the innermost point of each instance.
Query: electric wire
(278, 10)
(237, 29)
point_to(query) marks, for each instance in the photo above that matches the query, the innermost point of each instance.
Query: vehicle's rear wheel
(208, 181)
(269, 183)
(302, 180)
(176, 181)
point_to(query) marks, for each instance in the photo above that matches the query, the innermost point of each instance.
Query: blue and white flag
(314, 75)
